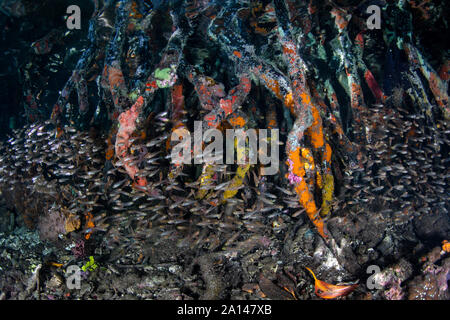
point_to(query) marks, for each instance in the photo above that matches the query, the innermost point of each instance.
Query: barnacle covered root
(127, 125)
(308, 175)
(300, 163)
(205, 179)
(115, 82)
(236, 182)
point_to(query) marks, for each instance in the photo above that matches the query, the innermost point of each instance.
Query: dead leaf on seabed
(273, 291)
(330, 291)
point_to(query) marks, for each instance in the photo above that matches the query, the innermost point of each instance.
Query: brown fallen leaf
(330, 291)
(274, 292)
(250, 287)
(287, 284)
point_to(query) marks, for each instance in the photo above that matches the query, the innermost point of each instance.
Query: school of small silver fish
(99, 169)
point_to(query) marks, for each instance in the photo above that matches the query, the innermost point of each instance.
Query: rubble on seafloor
(91, 207)
(262, 268)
